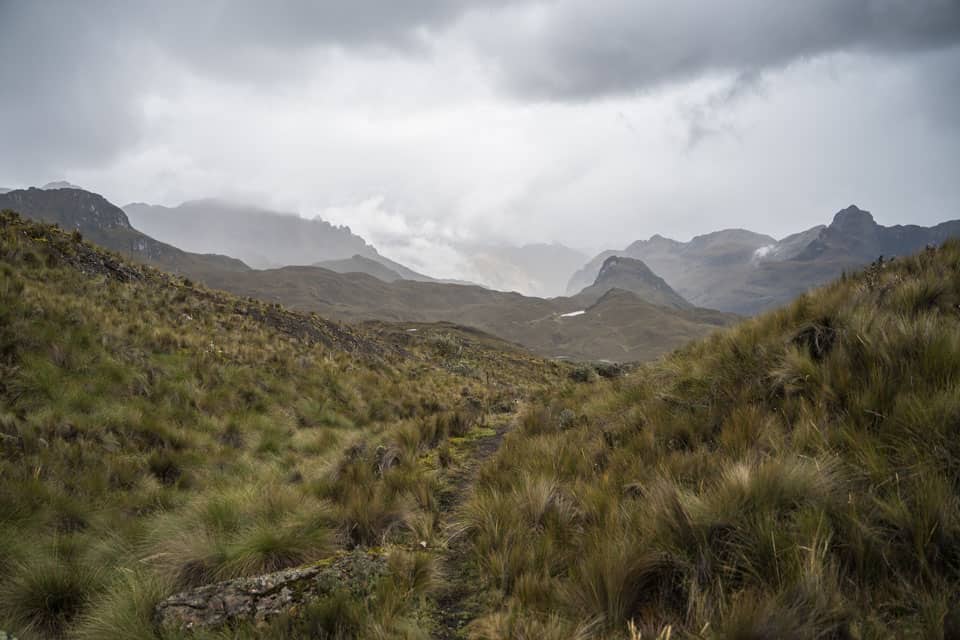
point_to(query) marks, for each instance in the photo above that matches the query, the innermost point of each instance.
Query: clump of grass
(45, 596)
(126, 609)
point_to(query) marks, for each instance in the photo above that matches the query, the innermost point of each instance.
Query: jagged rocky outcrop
(259, 599)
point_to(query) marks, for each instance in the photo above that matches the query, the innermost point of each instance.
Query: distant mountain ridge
(618, 326)
(743, 272)
(262, 238)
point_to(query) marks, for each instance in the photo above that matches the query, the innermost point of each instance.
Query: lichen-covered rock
(257, 600)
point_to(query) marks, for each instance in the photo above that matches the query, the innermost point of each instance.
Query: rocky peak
(853, 219)
(631, 274)
(617, 266)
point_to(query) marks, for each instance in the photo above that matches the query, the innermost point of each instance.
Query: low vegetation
(156, 436)
(796, 476)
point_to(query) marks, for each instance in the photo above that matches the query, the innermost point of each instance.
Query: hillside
(535, 323)
(156, 436)
(107, 225)
(797, 476)
(261, 238)
(744, 272)
(629, 329)
(360, 264)
(380, 268)
(166, 448)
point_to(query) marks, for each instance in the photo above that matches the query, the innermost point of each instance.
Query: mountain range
(261, 238)
(609, 322)
(743, 272)
(266, 239)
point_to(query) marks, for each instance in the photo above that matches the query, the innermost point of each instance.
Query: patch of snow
(411, 330)
(573, 314)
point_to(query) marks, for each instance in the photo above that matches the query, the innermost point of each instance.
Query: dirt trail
(457, 607)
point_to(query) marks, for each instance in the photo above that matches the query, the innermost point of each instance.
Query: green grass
(796, 476)
(156, 435)
(793, 477)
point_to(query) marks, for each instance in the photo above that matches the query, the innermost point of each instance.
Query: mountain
(685, 265)
(260, 237)
(633, 275)
(577, 327)
(537, 324)
(2, 190)
(107, 225)
(539, 270)
(745, 273)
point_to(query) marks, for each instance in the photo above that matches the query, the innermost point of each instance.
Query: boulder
(259, 599)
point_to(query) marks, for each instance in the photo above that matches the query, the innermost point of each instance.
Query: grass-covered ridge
(797, 476)
(156, 435)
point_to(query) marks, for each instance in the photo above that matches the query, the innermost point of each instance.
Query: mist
(436, 129)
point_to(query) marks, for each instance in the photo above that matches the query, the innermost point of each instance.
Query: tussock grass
(792, 477)
(156, 435)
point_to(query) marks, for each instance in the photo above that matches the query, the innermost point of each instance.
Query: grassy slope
(629, 329)
(796, 476)
(155, 435)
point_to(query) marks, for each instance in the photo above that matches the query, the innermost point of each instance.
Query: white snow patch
(573, 314)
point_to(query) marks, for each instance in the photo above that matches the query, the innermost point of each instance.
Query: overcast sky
(418, 123)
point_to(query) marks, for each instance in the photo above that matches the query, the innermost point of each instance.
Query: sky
(428, 126)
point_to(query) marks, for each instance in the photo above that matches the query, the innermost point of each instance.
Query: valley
(480, 320)
(165, 444)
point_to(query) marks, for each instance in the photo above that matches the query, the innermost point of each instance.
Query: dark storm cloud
(63, 89)
(576, 49)
(73, 74)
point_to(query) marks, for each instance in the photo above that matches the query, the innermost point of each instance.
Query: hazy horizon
(433, 125)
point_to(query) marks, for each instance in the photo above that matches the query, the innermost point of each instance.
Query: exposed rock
(259, 599)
